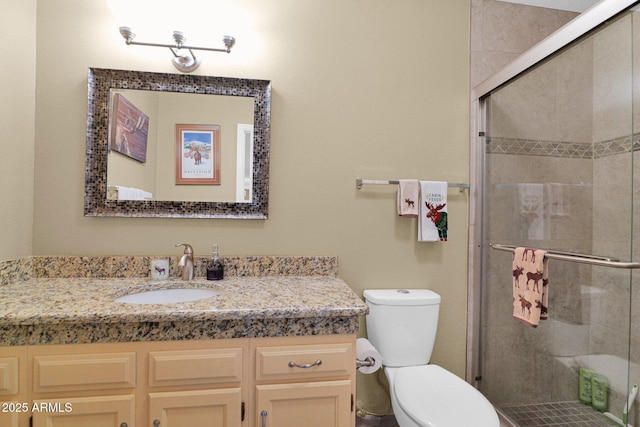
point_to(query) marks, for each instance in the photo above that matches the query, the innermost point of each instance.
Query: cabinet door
(101, 411)
(9, 419)
(315, 404)
(202, 408)
(14, 411)
(10, 409)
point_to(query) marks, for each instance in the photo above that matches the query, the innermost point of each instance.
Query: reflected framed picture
(197, 154)
(129, 129)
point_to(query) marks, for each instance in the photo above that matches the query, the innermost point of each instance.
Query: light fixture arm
(182, 61)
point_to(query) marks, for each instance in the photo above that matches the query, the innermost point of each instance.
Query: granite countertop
(75, 310)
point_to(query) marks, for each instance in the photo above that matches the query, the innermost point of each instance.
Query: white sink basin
(167, 296)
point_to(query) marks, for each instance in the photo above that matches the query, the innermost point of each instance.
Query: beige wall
(17, 111)
(360, 88)
(225, 112)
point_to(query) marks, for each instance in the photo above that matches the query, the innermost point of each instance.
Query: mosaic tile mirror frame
(100, 81)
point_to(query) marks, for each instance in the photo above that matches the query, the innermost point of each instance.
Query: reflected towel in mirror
(128, 193)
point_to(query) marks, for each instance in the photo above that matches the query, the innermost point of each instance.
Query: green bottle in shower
(585, 385)
(599, 393)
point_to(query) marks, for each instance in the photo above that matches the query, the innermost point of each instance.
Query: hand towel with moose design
(530, 294)
(408, 197)
(432, 220)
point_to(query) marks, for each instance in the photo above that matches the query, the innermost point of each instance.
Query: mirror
(148, 133)
(142, 138)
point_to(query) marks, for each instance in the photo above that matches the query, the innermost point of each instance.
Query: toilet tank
(402, 324)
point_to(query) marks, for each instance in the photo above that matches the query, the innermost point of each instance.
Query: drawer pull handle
(156, 423)
(293, 364)
(263, 414)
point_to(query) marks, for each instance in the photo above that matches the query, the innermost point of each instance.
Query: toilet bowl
(431, 396)
(402, 325)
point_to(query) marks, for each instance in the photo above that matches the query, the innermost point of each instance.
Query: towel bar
(361, 181)
(576, 257)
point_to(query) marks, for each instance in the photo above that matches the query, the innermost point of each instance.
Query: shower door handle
(576, 257)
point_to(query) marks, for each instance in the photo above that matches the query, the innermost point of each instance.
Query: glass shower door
(559, 175)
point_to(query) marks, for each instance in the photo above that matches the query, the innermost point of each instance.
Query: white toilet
(402, 325)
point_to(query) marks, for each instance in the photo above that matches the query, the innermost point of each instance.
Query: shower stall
(557, 143)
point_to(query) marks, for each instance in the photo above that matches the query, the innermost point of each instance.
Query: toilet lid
(435, 397)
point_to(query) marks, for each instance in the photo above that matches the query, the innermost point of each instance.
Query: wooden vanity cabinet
(221, 383)
(166, 384)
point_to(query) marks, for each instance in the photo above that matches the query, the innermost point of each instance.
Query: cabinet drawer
(304, 361)
(188, 367)
(8, 376)
(84, 372)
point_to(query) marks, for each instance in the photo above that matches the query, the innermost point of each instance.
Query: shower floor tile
(565, 414)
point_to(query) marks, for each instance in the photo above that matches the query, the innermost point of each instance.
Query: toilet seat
(435, 397)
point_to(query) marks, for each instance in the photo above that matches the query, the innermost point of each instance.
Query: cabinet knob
(293, 364)
(124, 425)
(156, 423)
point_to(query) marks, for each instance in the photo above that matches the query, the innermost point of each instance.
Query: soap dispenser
(215, 267)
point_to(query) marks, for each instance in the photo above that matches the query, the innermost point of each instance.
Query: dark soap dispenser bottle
(215, 266)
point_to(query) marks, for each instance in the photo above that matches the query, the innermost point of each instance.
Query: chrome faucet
(186, 262)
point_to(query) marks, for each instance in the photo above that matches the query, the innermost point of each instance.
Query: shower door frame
(581, 25)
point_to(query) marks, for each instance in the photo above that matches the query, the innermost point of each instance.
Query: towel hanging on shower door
(530, 293)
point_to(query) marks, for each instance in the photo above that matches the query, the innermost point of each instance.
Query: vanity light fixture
(183, 57)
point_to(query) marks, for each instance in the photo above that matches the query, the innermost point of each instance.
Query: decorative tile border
(613, 146)
(138, 267)
(565, 149)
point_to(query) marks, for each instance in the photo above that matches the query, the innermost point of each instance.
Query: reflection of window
(244, 169)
